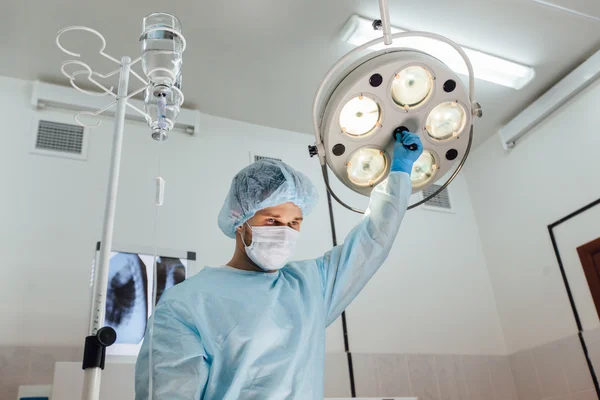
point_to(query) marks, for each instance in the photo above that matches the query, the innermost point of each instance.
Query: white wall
(552, 172)
(430, 298)
(53, 207)
(433, 295)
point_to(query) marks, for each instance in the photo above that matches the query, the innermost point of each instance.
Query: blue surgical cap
(264, 184)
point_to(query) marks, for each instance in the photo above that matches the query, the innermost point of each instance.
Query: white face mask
(272, 246)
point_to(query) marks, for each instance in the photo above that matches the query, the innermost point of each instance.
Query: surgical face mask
(272, 246)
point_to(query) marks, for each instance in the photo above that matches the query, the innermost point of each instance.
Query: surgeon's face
(287, 214)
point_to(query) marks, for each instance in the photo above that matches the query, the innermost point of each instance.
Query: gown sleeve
(180, 361)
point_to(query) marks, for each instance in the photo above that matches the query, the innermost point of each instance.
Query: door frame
(568, 287)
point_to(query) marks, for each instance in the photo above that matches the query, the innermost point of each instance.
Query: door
(589, 254)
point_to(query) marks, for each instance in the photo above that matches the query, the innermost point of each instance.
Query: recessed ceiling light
(359, 30)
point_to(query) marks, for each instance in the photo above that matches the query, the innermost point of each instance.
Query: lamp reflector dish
(367, 166)
(412, 86)
(423, 170)
(446, 120)
(359, 116)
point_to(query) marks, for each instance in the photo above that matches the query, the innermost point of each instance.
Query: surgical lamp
(162, 48)
(362, 105)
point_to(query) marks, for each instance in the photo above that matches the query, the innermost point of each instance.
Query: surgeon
(254, 329)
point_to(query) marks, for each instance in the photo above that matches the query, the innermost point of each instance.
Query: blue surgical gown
(228, 334)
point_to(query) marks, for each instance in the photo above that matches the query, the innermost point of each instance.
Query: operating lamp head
(383, 94)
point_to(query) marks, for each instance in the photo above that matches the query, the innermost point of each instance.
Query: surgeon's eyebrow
(279, 216)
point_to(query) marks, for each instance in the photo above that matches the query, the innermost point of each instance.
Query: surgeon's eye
(271, 221)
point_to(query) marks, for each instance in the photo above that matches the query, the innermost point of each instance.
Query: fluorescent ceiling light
(359, 30)
(556, 97)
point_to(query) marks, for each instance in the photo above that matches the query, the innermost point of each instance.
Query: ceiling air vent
(439, 202)
(53, 135)
(58, 137)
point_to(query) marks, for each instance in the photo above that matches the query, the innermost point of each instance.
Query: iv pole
(91, 382)
(100, 336)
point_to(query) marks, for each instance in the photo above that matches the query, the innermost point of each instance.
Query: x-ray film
(129, 294)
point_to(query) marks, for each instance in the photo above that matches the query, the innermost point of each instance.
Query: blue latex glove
(404, 158)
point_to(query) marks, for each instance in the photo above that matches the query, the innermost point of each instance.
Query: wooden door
(589, 254)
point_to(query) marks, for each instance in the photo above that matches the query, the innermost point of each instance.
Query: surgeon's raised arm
(346, 269)
(180, 368)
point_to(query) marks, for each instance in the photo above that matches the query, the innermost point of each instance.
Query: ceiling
(261, 61)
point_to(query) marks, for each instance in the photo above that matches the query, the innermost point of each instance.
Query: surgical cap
(264, 184)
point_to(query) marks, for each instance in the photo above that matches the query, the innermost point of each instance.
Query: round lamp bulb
(412, 86)
(359, 116)
(366, 166)
(446, 120)
(423, 169)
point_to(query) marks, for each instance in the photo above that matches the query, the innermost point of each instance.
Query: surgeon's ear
(239, 229)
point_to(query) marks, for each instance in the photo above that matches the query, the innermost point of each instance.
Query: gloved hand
(404, 158)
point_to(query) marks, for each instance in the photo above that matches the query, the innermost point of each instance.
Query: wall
(552, 172)
(434, 377)
(555, 370)
(550, 372)
(433, 296)
(390, 375)
(53, 217)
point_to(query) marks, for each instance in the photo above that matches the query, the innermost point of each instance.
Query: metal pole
(91, 382)
(344, 324)
(93, 279)
(385, 22)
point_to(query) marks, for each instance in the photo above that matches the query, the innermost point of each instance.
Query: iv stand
(91, 381)
(101, 337)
